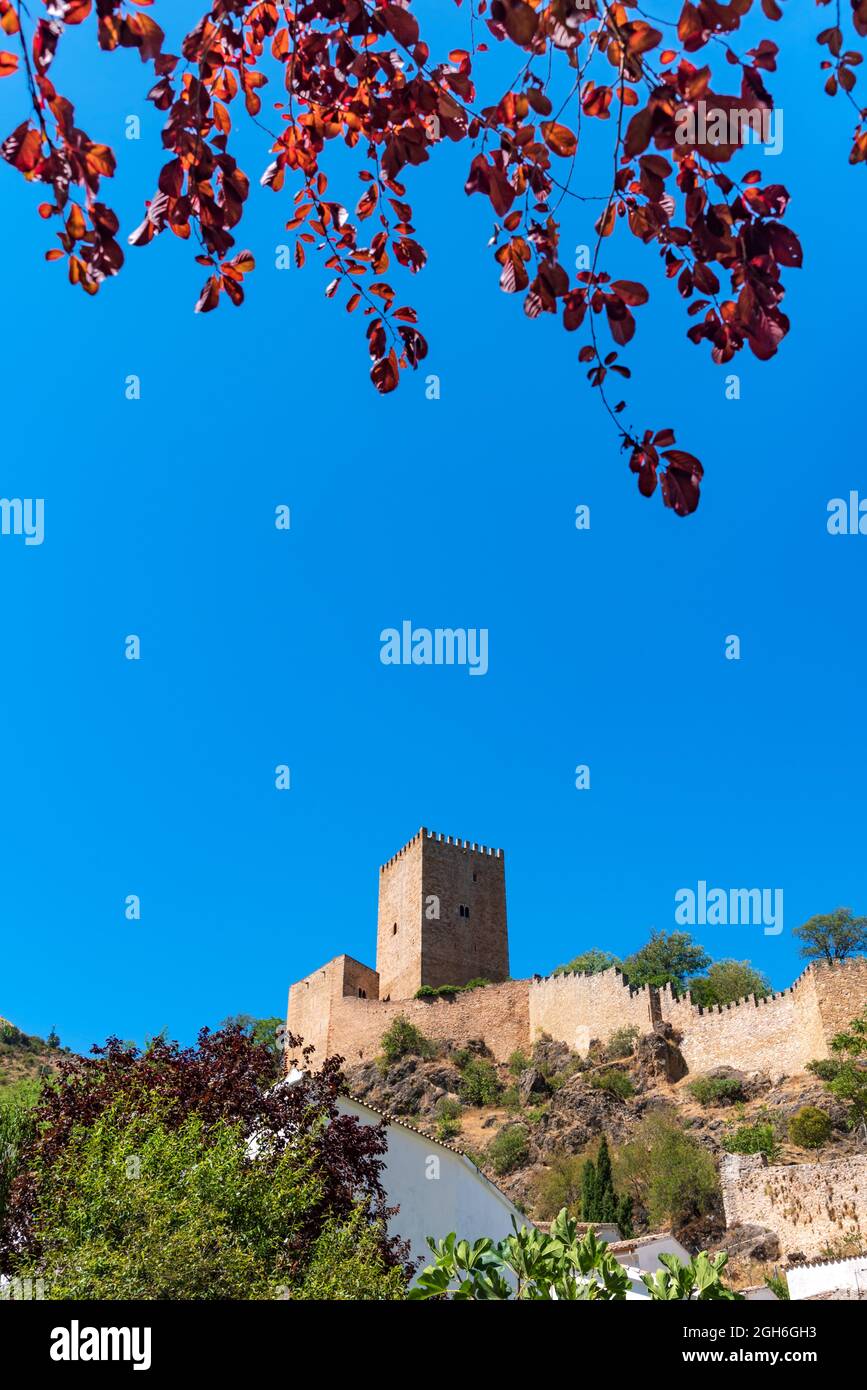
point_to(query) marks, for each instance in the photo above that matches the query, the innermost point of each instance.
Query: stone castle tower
(442, 916)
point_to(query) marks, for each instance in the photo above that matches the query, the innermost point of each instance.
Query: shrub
(716, 1090)
(518, 1062)
(810, 1128)
(448, 1117)
(621, 1043)
(617, 1083)
(480, 1084)
(560, 1186)
(826, 1068)
(758, 1138)
(445, 991)
(509, 1149)
(511, 1098)
(403, 1039)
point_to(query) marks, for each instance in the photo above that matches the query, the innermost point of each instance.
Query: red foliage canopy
(359, 71)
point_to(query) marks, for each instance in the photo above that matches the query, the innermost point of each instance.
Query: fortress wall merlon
(577, 1008)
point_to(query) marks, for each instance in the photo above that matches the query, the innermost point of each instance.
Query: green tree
(591, 962)
(667, 958)
(599, 1201)
(844, 1074)
(666, 1172)
(588, 1190)
(134, 1209)
(833, 936)
(561, 1185)
(562, 1265)
(727, 980)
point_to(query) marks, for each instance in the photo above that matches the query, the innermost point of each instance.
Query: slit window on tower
(394, 930)
(463, 910)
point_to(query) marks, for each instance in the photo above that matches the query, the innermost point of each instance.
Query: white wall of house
(437, 1189)
(645, 1254)
(806, 1280)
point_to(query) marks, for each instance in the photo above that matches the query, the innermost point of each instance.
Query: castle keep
(442, 921)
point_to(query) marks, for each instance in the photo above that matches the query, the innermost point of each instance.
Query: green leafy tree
(560, 1185)
(562, 1265)
(588, 1190)
(726, 981)
(591, 962)
(666, 1172)
(134, 1209)
(844, 1074)
(833, 936)
(667, 958)
(184, 1170)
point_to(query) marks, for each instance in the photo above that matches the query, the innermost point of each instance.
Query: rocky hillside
(532, 1124)
(24, 1056)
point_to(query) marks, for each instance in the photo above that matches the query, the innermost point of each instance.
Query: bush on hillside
(758, 1138)
(716, 1090)
(509, 1150)
(810, 1128)
(403, 1039)
(480, 1084)
(621, 1043)
(617, 1083)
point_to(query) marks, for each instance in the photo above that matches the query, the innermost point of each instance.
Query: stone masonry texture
(815, 1209)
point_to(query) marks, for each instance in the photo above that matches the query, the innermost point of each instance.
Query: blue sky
(261, 647)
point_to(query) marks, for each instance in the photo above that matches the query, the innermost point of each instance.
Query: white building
(845, 1278)
(437, 1188)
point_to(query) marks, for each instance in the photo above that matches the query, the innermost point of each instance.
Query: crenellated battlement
(455, 841)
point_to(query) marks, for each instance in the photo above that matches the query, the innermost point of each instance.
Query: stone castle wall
(575, 1009)
(497, 1013)
(780, 1034)
(814, 1208)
